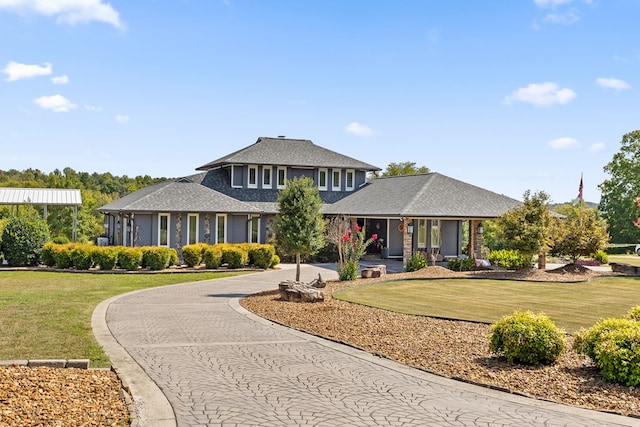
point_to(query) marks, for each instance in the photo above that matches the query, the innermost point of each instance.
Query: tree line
(97, 189)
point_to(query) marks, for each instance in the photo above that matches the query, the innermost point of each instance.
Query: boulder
(371, 272)
(293, 291)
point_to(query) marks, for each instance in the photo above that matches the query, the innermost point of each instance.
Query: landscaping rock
(299, 292)
(371, 272)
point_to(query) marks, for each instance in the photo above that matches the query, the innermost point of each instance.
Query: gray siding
(237, 228)
(451, 237)
(144, 229)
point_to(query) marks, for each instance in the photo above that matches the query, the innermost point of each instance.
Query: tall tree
(527, 228)
(299, 225)
(402, 168)
(619, 193)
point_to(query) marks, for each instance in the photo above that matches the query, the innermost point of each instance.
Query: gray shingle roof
(426, 195)
(180, 195)
(289, 152)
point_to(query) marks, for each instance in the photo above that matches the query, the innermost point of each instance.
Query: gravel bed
(454, 349)
(57, 397)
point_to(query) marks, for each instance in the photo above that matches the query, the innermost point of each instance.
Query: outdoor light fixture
(410, 228)
(480, 229)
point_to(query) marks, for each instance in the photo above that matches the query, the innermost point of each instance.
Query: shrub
(634, 314)
(461, 264)
(81, 256)
(601, 256)
(275, 261)
(192, 254)
(618, 356)
(157, 257)
(60, 240)
(61, 255)
(510, 259)
(173, 257)
(261, 255)
(620, 250)
(129, 258)
(212, 257)
(22, 240)
(234, 256)
(416, 262)
(527, 338)
(349, 271)
(587, 340)
(105, 257)
(47, 254)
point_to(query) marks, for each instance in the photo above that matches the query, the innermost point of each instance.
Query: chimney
(281, 136)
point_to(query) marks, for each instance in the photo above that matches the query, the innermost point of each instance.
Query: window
(422, 233)
(163, 229)
(192, 229)
(252, 181)
(350, 177)
(266, 177)
(254, 232)
(335, 181)
(322, 179)
(435, 233)
(282, 177)
(221, 229)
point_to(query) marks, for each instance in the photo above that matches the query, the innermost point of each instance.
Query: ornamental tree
(527, 228)
(299, 225)
(581, 233)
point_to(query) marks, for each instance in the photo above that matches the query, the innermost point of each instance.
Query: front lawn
(47, 315)
(570, 305)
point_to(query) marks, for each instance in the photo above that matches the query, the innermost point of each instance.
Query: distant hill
(592, 205)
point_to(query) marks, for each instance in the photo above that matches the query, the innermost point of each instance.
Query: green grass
(47, 315)
(570, 306)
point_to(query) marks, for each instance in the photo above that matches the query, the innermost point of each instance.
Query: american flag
(580, 187)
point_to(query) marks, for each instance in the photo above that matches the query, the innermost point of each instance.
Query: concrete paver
(214, 364)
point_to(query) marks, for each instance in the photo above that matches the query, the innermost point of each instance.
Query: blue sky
(507, 95)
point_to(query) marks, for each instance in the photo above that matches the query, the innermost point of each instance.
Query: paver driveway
(219, 365)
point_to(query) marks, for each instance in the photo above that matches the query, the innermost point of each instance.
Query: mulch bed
(455, 349)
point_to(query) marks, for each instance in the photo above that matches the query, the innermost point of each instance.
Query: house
(233, 199)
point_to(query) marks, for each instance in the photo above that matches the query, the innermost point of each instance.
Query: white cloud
(567, 18)
(612, 83)
(547, 93)
(550, 3)
(68, 11)
(563, 143)
(16, 71)
(598, 146)
(60, 80)
(121, 118)
(92, 108)
(57, 103)
(359, 129)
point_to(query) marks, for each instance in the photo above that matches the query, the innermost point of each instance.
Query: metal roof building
(43, 197)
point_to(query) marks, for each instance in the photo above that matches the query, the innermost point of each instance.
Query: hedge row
(83, 256)
(234, 255)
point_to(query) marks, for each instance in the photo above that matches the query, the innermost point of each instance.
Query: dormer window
(252, 181)
(282, 177)
(266, 176)
(350, 179)
(335, 181)
(322, 179)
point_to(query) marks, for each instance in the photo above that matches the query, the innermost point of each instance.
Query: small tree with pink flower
(354, 246)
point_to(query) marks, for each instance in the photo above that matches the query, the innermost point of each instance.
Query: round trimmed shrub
(192, 254)
(81, 256)
(634, 314)
(105, 257)
(274, 261)
(509, 259)
(528, 338)
(587, 340)
(22, 240)
(129, 258)
(234, 256)
(157, 257)
(212, 257)
(601, 256)
(261, 255)
(61, 255)
(618, 356)
(47, 254)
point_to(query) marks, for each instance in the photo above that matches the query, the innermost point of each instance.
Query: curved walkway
(191, 356)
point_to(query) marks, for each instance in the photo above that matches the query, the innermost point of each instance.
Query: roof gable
(288, 152)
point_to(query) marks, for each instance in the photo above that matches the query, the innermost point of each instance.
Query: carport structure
(44, 197)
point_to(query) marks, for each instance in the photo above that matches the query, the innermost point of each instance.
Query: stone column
(207, 229)
(475, 239)
(179, 236)
(407, 241)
